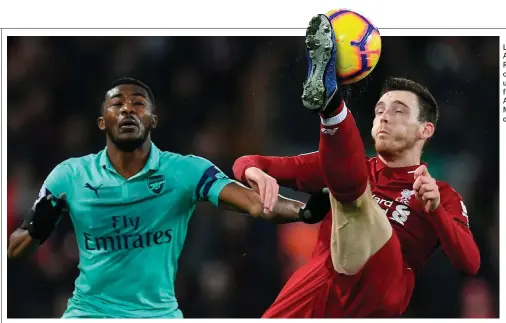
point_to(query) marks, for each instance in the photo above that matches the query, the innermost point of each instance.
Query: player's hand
(264, 185)
(426, 189)
(316, 208)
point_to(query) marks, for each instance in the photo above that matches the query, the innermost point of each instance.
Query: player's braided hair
(129, 80)
(429, 110)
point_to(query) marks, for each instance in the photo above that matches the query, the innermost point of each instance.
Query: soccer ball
(358, 45)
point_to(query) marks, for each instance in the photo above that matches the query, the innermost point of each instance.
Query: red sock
(342, 155)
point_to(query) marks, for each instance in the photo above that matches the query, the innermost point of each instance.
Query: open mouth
(128, 125)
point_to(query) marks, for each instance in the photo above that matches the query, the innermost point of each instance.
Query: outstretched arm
(210, 184)
(243, 199)
(301, 173)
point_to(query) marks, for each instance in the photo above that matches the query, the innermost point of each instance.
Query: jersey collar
(379, 165)
(153, 162)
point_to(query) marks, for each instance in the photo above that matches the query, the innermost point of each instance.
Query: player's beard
(129, 144)
(393, 145)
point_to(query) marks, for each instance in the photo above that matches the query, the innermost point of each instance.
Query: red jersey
(419, 232)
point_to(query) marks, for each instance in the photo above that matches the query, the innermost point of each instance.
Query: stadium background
(223, 97)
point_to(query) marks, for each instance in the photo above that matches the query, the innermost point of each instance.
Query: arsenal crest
(156, 183)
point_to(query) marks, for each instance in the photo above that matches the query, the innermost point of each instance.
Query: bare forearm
(285, 211)
(21, 244)
(237, 197)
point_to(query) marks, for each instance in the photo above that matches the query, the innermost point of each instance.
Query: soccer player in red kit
(387, 214)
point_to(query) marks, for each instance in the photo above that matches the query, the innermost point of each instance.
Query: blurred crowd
(223, 97)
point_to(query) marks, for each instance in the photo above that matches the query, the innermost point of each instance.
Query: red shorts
(382, 288)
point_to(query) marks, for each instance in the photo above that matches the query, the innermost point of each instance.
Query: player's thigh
(304, 294)
(381, 289)
(387, 276)
(359, 230)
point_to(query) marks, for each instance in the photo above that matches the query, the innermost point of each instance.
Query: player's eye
(139, 103)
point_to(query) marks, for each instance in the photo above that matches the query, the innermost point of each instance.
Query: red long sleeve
(452, 226)
(300, 172)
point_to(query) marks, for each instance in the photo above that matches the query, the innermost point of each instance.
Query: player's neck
(403, 159)
(128, 164)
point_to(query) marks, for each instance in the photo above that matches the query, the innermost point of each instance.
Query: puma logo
(94, 189)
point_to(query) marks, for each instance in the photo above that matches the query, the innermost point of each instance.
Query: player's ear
(154, 121)
(427, 130)
(101, 123)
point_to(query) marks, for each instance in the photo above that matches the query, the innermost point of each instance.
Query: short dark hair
(129, 80)
(429, 110)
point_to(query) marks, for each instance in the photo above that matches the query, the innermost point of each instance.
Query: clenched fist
(426, 189)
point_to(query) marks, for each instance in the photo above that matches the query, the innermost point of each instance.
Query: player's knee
(349, 195)
(356, 206)
(348, 263)
(347, 268)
